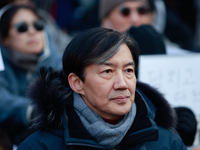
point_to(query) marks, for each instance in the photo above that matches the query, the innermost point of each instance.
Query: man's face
(109, 88)
(127, 14)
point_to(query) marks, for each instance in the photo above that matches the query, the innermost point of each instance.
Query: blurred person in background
(56, 35)
(181, 18)
(25, 48)
(74, 16)
(121, 15)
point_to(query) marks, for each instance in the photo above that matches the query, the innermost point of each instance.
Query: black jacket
(60, 127)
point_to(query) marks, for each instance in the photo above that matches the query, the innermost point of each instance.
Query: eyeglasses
(23, 26)
(125, 11)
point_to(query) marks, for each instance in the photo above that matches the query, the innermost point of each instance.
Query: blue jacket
(60, 127)
(14, 82)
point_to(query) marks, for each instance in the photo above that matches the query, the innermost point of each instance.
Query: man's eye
(107, 74)
(107, 71)
(129, 70)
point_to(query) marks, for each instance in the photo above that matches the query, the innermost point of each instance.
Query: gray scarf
(105, 134)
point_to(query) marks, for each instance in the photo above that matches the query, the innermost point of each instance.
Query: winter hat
(105, 6)
(148, 39)
(187, 125)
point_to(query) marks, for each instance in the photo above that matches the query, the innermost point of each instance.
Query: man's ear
(75, 83)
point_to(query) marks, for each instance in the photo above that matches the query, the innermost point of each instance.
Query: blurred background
(183, 16)
(73, 16)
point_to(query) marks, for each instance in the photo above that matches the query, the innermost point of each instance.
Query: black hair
(95, 46)
(7, 16)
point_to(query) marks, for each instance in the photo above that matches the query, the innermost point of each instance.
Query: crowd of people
(70, 75)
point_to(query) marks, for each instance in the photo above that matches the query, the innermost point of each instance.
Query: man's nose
(120, 83)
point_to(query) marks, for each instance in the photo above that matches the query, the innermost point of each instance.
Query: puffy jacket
(60, 127)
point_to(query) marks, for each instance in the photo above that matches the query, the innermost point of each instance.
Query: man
(96, 103)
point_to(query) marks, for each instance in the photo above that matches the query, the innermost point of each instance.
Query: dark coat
(60, 127)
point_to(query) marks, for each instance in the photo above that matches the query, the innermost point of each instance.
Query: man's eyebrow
(107, 64)
(130, 64)
(111, 64)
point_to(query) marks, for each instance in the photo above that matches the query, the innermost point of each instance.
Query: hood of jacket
(50, 91)
(48, 56)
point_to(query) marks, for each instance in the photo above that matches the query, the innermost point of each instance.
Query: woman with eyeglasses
(25, 48)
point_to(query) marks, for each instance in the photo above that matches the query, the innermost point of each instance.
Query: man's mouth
(120, 99)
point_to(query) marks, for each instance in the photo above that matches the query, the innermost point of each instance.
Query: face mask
(23, 60)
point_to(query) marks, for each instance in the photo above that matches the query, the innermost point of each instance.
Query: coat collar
(143, 129)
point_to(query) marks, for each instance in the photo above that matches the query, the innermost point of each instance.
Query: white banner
(177, 77)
